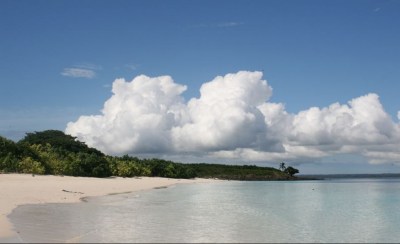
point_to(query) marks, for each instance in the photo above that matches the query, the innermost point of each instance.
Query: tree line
(53, 152)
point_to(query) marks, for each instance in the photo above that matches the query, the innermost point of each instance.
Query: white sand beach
(19, 189)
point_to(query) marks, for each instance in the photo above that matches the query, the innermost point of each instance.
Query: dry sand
(19, 189)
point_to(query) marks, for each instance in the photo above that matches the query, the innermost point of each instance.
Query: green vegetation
(238, 172)
(291, 171)
(288, 170)
(53, 152)
(58, 139)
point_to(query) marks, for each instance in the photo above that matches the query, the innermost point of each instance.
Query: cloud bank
(232, 119)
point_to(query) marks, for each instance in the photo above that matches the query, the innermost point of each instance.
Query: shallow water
(361, 210)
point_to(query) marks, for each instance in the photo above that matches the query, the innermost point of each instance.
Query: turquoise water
(345, 210)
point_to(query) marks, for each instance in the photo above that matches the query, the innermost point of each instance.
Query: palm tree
(282, 166)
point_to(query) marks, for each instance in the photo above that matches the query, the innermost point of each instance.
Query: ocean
(335, 210)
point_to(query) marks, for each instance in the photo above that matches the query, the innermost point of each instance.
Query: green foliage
(288, 170)
(58, 139)
(53, 152)
(128, 166)
(164, 168)
(237, 172)
(18, 158)
(29, 165)
(291, 171)
(59, 161)
(48, 157)
(9, 155)
(122, 167)
(84, 164)
(8, 163)
(7, 146)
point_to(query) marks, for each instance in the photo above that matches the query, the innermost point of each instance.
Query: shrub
(29, 165)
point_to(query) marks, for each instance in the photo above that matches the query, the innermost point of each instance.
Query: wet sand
(21, 189)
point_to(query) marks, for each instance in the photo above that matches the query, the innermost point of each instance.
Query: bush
(29, 165)
(9, 163)
(90, 165)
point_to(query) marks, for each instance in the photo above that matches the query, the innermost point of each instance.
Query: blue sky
(60, 58)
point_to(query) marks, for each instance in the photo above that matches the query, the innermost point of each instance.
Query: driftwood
(72, 191)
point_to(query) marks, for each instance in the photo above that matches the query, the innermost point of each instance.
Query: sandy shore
(19, 189)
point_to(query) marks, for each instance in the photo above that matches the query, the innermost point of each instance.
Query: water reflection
(307, 211)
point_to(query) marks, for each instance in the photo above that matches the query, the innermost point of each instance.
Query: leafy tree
(58, 139)
(127, 166)
(8, 163)
(291, 171)
(62, 154)
(11, 154)
(7, 147)
(282, 166)
(47, 157)
(128, 169)
(29, 165)
(89, 165)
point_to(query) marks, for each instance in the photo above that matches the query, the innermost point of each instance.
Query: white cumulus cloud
(226, 114)
(136, 119)
(232, 119)
(361, 127)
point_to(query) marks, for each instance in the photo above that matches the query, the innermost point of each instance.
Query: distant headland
(52, 152)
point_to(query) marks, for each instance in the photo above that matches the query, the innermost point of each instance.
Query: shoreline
(22, 189)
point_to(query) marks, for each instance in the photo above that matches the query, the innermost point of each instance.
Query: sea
(312, 211)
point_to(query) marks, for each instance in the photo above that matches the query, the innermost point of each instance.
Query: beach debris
(77, 192)
(160, 187)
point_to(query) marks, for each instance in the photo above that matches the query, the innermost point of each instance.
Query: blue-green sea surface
(344, 210)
